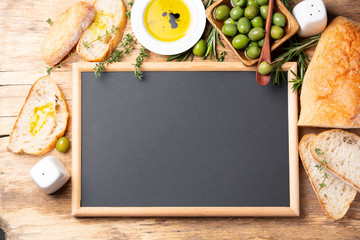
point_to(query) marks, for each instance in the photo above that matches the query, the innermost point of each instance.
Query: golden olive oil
(40, 117)
(167, 20)
(101, 20)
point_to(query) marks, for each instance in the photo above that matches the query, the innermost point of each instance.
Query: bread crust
(53, 143)
(308, 138)
(306, 142)
(65, 32)
(331, 90)
(111, 44)
(316, 157)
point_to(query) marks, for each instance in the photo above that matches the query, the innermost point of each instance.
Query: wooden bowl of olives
(241, 24)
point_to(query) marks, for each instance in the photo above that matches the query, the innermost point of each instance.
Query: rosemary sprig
(127, 44)
(296, 49)
(287, 4)
(212, 39)
(49, 21)
(207, 3)
(297, 81)
(139, 60)
(322, 167)
(52, 69)
(181, 57)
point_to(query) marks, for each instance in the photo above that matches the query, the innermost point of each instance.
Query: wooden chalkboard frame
(78, 211)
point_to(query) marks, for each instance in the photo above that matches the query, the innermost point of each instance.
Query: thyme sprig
(53, 68)
(296, 49)
(127, 44)
(128, 13)
(139, 60)
(100, 37)
(322, 167)
(49, 21)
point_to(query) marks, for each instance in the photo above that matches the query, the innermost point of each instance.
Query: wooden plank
(26, 213)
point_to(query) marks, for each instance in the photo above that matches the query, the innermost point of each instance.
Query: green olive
(261, 42)
(222, 12)
(252, 3)
(262, 2)
(253, 44)
(63, 144)
(199, 48)
(257, 22)
(278, 19)
(229, 30)
(253, 52)
(251, 12)
(230, 21)
(264, 11)
(244, 25)
(236, 13)
(276, 32)
(256, 34)
(240, 3)
(264, 68)
(240, 41)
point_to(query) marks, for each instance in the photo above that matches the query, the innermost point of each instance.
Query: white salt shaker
(49, 174)
(311, 16)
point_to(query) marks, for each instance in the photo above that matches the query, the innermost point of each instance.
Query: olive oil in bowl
(167, 20)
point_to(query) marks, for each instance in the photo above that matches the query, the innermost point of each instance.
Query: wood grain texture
(27, 213)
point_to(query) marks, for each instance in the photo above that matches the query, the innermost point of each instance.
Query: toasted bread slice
(110, 15)
(342, 153)
(337, 196)
(42, 119)
(65, 32)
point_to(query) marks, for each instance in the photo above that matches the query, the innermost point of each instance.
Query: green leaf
(49, 21)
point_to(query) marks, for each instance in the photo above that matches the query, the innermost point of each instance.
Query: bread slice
(42, 119)
(342, 153)
(337, 196)
(330, 95)
(110, 15)
(65, 32)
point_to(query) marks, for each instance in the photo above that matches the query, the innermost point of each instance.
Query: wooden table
(27, 213)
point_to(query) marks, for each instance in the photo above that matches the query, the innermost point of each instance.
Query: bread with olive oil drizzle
(65, 32)
(42, 119)
(105, 32)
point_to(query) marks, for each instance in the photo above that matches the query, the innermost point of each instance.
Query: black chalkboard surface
(183, 140)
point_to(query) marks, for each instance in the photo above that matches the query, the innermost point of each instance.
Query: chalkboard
(182, 143)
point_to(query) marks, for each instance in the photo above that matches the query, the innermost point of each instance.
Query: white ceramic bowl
(194, 33)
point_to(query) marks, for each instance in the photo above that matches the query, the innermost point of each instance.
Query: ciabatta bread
(65, 32)
(342, 153)
(337, 196)
(110, 15)
(330, 95)
(42, 119)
